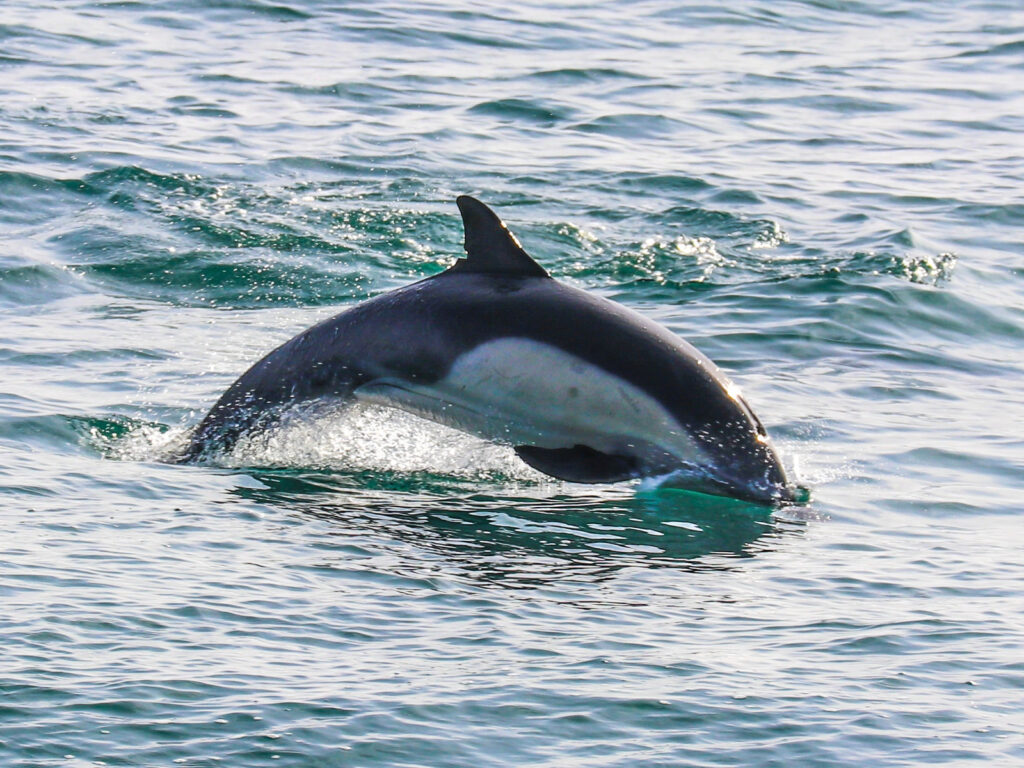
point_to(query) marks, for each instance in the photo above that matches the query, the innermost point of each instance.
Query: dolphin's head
(743, 462)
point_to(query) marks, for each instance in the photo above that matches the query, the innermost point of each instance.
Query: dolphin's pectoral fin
(490, 248)
(579, 464)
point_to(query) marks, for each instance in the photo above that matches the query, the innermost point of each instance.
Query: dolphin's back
(417, 333)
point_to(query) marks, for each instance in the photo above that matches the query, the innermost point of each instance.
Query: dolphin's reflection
(528, 536)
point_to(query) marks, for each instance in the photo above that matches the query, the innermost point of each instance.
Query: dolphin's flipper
(579, 464)
(490, 248)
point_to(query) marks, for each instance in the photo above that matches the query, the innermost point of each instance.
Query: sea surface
(824, 196)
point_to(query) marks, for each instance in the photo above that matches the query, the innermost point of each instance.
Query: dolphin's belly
(524, 392)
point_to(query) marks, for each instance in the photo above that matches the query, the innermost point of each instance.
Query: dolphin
(585, 389)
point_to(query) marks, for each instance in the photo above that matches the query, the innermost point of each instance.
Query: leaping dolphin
(585, 389)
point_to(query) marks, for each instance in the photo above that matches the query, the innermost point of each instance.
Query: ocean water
(823, 196)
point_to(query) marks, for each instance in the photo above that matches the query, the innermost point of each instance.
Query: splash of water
(348, 437)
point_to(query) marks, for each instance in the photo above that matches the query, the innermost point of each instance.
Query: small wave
(716, 247)
(1012, 49)
(23, 285)
(681, 259)
(923, 268)
(275, 12)
(630, 126)
(520, 110)
(123, 438)
(589, 75)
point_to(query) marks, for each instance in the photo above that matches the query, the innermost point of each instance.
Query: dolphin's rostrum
(584, 388)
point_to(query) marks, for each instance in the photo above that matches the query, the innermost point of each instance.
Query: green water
(823, 197)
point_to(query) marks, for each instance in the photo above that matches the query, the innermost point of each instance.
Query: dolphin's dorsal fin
(490, 248)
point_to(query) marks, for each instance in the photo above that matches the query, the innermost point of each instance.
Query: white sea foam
(372, 437)
(343, 437)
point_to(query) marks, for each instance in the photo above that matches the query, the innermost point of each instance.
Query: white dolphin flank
(524, 392)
